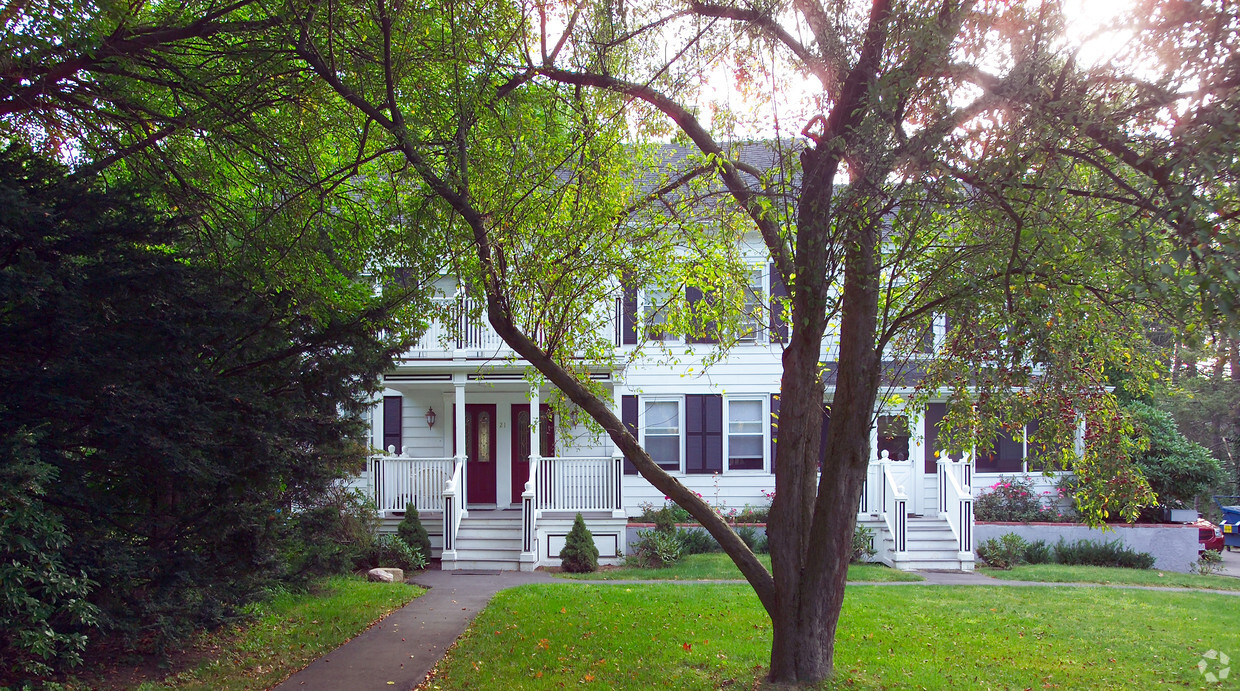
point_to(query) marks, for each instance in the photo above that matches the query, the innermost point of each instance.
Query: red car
(1209, 537)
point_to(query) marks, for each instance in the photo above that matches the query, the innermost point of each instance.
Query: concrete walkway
(398, 652)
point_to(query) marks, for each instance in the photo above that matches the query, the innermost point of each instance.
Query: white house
(497, 482)
(458, 416)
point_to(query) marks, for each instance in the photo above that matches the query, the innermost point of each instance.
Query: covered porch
(496, 481)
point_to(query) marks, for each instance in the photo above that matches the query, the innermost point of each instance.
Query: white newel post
(617, 474)
(529, 514)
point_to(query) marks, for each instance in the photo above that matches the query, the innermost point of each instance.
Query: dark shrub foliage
(1177, 469)
(331, 536)
(1097, 553)
(696, 541)
(413, 532)
(390, 551)
(665, 520)
(579, 554)
(184, 410)
(862, 544)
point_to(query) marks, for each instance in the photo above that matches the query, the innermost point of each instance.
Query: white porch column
(535, 448)
(458, 430)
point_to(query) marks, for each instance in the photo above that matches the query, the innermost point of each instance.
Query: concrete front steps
(931, 546)
(488, 540)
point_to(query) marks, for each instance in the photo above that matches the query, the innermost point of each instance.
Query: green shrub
(579, 554)
(1209, 562)
(862, 544)
(1094, 553)
(413, 533)
(665, 520)
(1038, 552)
(696, 541)
(656, 549)
(331, 536)
(1004, 552)
(391, 551)
(755, 541)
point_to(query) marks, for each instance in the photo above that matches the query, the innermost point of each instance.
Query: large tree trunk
(812, 519)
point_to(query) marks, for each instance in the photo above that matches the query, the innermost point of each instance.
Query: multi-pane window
(745, 435)
(893, 437)
(662, 433)
(751, 319)
(658, 303)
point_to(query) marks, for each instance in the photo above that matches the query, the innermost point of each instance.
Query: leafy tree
(579, 555)
(953, 161)
(180, 411)
(1179, 471)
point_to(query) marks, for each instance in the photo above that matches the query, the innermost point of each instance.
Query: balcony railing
(460, 324)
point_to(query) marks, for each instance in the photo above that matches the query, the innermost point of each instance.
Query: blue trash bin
(1230, 505)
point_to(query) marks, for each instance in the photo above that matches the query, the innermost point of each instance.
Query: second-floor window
(751, 319)
(654, 313)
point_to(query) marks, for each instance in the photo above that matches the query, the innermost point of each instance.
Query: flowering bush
(1016, 500)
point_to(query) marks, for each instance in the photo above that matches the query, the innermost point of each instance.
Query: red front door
(521, 443)
(480, 452)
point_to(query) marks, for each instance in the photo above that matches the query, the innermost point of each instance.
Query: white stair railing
(956, 500)
(530, 513)
(893, 504)
(453, 504)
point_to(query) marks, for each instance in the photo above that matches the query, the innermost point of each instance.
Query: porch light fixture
(430, 417)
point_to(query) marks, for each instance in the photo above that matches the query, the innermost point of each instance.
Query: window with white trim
(755, 297)
(661, 432)
(746, 436)
(656, 304)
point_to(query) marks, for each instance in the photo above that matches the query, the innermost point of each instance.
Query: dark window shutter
(822, 441)
(628, 415)
(774, 427)
(935, 412)
(628, 326)
(392, 423)
(703, 433)
(779, 325)
(693, 296)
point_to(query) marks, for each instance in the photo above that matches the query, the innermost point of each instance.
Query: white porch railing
(453, 505)
(893, 508)
(530, 514)
(460, 323)
(956, 499)
(578, 484)
(402, 480)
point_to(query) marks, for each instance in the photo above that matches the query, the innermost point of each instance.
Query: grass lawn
(681, 636)
(289, 631)
(1058, 573)
(717, 566)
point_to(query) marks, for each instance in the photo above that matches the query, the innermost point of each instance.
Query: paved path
(398, 652)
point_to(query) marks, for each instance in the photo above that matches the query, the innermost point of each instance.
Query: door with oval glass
(480, 453)
(521, 443)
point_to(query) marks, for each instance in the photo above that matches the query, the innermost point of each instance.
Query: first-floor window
(745, 435)
(662, 433)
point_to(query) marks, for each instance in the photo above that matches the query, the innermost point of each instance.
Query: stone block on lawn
(386, 575)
